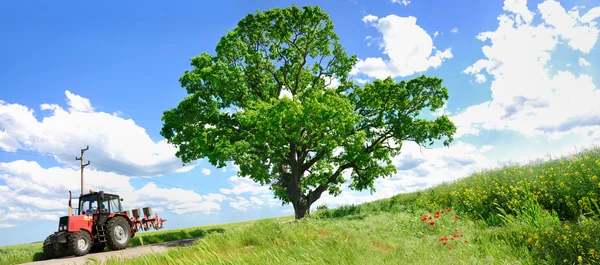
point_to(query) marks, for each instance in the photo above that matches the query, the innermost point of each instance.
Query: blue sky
(76, 74)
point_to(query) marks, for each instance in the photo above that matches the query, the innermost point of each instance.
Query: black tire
(54, 249)
(118, 233)
(80, 243)
(98, 247)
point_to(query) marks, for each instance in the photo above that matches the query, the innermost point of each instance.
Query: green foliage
(299, 145)
(342, 211)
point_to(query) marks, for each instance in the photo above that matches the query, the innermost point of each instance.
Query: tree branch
(319, 190)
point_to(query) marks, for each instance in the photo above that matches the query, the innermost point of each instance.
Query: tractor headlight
(64, 227)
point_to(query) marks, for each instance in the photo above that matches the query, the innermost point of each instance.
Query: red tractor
(100, 222)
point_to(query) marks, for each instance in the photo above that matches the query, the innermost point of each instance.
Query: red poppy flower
(455, 235)
(438, 212)
(436, 217)
(452, 238)
(458, 201)
(423, 219)
(448, 210)
(465, 241)
(430, 217)
(456, 217)
(461, 235)
(432, 223)
(444, 243)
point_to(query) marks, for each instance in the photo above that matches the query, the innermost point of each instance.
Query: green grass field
(539, 213)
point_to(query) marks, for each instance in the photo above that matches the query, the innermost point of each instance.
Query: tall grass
(384, 238)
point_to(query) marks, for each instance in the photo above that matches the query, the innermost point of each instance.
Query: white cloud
(519, 8)
(241, 204)
(244, 185)
(591, 15)
(206, 171)
(417, 168)
(442, 111)
(331, 82)
(116, 144)
(403, 2)
(581, 35)
(409, 49)
(454, 30)
(361, 81)
(78, 103)
(526, 96)
(583, 62)
(436, 33)
(286, 93)
(260, 195)
(486, 148)
(371, 20)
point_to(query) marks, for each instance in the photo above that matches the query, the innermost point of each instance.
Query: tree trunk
(301, 208)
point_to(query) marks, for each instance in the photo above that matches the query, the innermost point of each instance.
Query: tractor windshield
(114, 204)
(88, 205)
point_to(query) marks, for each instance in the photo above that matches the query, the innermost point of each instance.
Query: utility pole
(83, 165)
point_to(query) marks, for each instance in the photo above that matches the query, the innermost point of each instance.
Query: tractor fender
(59, 237)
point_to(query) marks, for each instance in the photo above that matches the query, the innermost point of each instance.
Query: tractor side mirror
(121, 199)
(101, 193)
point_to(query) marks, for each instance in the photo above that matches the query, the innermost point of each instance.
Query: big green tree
(310, 141)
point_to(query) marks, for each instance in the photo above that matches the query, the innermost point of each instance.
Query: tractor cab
(99, 203)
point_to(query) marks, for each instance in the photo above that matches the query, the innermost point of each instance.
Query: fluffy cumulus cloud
(529, 94)
(116, 144)
(408, 47)
(259, 195)
(29, 189)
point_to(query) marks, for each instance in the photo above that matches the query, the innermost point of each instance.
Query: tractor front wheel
(53, 249)
(119, 233)
(80, 243)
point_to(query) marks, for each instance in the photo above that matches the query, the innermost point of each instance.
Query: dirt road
(126, 253)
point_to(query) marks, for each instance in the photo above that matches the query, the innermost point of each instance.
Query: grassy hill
(539, 213)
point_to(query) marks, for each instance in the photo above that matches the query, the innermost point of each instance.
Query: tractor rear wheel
(80, 243)
(53, 249)
(119, 233)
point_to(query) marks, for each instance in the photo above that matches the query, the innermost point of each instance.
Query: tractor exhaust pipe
(70, 205)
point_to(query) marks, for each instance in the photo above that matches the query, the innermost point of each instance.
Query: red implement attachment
(147, 221)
